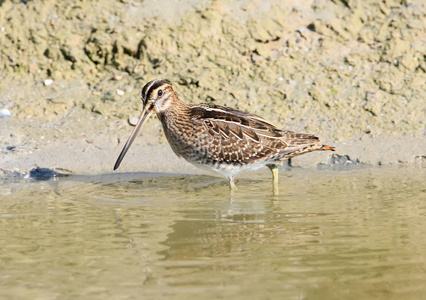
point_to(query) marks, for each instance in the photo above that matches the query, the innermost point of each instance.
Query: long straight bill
(144, 115)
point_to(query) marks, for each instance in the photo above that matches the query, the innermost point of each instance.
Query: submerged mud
(352, 72)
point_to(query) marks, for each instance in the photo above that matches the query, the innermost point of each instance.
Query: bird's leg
(274, 170)
(231, 183)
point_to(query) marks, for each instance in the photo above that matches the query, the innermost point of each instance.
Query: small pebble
(120, 92)
(48, 82)
(133, 121)
(5, 113)
(117, 77)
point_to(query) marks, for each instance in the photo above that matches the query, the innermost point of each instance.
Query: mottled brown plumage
(223, 139)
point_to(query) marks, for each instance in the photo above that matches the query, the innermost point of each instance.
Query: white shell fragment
(48, 82)
(5, 113)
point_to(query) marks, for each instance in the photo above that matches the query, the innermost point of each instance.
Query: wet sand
(351, 73)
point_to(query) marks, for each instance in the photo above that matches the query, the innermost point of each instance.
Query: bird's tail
(327, 148)
(293, 152)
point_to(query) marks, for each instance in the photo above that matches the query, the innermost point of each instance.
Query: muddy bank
(351, 72)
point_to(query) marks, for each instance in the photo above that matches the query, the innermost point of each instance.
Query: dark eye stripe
(154, 86)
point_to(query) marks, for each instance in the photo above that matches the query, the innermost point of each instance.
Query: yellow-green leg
(274, 170)
(231, 183)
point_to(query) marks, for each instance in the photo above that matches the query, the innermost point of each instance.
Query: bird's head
(156, 97)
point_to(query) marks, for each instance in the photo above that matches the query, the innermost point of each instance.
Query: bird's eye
(160, 93)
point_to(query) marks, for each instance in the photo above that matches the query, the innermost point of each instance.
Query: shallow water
(357, 234)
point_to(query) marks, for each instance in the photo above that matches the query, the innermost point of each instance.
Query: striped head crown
(154, 90)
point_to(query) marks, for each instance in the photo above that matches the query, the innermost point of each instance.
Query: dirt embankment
(352, 72)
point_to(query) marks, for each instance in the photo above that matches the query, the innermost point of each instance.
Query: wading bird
(223, 139)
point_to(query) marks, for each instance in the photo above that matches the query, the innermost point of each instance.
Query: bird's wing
(243, 137)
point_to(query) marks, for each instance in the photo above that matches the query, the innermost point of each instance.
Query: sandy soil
(351, 72)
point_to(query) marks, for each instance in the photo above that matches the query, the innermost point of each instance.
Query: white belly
(230, 170)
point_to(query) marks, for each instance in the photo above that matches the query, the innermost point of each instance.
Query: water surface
(357, 234)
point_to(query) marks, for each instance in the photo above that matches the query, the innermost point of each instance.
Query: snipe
(223, 139)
